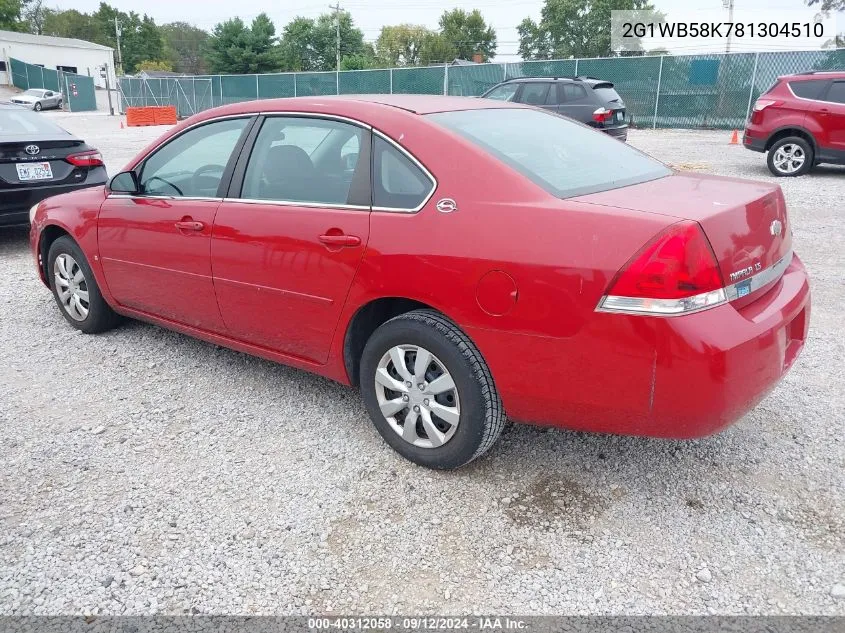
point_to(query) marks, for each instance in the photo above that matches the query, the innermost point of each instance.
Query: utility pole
(729, 5)
(119, 56)
(337, 20)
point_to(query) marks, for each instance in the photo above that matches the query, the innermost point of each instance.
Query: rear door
(832, 117)
(289, 237)
(533, 93)
(575, 102)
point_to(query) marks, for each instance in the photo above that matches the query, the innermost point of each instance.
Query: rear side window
(836, 94)
(563, 157)
(398, 183)
(534, 93)
(571, 92)
(607, 93)
(808, 89)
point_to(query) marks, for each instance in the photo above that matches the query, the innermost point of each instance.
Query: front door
(155, 247)
(288, 242)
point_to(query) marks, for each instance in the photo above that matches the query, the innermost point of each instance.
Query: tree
(828, 5)
(34, 14)
(361, 61)
(308, 44)
(468, 33)
(297, 46)
(573, 28)
(236, 48)
(184, 47)
(149, 64)
(11, 15)
(437, 49)
(401, 45)
(325, 39)
(72, 23)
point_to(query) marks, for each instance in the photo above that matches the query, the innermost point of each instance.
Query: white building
(56, 53)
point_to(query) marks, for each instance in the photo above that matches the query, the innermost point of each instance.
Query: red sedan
(460, 260)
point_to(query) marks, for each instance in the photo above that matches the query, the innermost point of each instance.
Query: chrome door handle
(189, 225)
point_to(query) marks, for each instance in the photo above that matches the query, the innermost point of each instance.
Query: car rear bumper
(619, 132)
(15, 203)
(679, 377)
(754, 140)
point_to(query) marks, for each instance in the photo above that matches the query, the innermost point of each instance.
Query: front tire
(75, 289)
(429, 392)
(790, 156)
(37, 107)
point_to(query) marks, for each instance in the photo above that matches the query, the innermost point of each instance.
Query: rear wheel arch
(791, 131)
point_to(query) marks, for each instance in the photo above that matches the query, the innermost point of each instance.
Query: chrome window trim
(292, 203)
(315, 115)
(416, 162)
(704, 301)
(129, 196)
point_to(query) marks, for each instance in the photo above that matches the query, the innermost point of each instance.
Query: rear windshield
(14, 122)
(563, 157)
(606, 92)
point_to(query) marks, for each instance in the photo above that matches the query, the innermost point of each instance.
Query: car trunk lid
(52, 151)
(745, 222)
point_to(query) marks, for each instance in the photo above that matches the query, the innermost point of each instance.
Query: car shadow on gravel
(14, 239)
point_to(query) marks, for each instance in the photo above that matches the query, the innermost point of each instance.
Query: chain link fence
(77, 90)
(680, 91)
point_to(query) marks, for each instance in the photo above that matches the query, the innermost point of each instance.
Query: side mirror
(125, 182)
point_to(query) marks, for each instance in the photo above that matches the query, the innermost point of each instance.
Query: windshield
(20, 122)
(607, 93)
(34, 93)
(563, 157)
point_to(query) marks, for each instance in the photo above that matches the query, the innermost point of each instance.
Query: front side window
(192, 164)
(563, 157)
(836, 93)
(534, 93)
(503, 93)
(398, 183)
(303, 159)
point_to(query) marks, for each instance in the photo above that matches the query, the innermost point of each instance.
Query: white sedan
(38, 99)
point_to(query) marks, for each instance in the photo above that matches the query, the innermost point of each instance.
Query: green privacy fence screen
(684, 91)
(77, 90)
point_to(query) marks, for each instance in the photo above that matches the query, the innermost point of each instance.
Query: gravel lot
(147, 472)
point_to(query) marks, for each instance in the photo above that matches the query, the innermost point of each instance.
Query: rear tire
(75, 289)
(790, 156)
(451, 400)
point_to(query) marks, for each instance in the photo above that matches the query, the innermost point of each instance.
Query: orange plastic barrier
(151, 115)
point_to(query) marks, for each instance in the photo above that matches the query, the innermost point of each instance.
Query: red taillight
(675, 273)
(602, 115)
(86, 159)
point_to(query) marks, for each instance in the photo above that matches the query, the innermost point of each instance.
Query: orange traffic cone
(735, 138)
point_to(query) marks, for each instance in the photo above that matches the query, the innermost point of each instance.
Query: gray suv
(585, 99)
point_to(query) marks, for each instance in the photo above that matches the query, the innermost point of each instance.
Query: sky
(371, 15)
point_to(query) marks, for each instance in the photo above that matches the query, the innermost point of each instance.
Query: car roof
(815, 74)
(340, 105)
(592, 81)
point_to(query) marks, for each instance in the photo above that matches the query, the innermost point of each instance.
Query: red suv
(800, 122)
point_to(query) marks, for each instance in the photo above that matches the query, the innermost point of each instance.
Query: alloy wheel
(789, 158)
(417, 396)
(71, 287)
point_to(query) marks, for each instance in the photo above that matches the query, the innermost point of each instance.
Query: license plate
(34, 171)
(620, 116)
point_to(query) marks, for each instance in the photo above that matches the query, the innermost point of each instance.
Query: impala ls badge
(447, 205)
(776, 228)
(32, 150)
